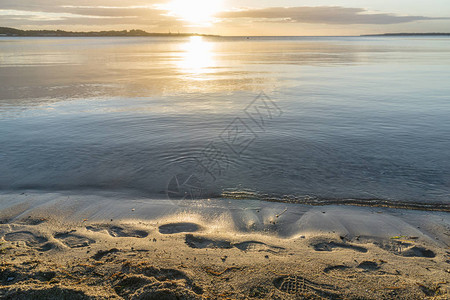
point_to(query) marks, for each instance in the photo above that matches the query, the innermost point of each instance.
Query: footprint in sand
(329, 246)
(31, 240)
(255, 246)
(406, 249)
(347, 272)
(336, 268)
(368, 266)
(144, 281)
(32, 221)
(173, 228)
(72, 240)
(202, 242)
(341, 272)
(296, 285)
(101, 253)
(118, 231)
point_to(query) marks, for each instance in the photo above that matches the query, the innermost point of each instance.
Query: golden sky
(231, 17)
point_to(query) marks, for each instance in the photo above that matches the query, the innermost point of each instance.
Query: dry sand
(53, 248)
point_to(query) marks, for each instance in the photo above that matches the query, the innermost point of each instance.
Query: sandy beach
(217, 249)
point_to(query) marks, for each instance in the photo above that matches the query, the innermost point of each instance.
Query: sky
(231, 17)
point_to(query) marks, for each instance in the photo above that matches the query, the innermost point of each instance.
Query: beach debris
(398, 237)
(224, 258)
(279, 215)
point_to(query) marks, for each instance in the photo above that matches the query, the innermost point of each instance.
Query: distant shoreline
(410, 34)
(12, 32)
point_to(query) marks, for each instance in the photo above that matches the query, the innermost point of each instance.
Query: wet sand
(60, 246)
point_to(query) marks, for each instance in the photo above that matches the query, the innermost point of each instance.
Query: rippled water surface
(334, 118)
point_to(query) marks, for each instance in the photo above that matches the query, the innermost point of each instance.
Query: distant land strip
(410, 34)
(6, 31)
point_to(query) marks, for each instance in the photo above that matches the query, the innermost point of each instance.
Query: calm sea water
(328, 118)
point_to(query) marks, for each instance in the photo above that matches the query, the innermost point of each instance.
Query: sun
(196, 12)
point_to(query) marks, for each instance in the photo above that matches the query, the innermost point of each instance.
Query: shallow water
(327, 118)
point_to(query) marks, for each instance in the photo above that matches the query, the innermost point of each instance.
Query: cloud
(147, 13)
(52, 5)
(83, 12)
(322, 15)
(102, 8)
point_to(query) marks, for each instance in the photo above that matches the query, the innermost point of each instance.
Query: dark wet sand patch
(202, 242)
(173, 228)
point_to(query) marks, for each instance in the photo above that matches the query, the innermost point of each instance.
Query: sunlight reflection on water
(197, 57)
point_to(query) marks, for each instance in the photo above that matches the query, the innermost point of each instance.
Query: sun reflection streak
(197, 56)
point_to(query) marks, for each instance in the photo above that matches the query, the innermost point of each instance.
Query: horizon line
(130, 31)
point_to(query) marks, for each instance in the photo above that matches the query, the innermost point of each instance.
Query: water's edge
(346, 201)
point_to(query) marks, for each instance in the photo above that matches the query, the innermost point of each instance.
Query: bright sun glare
(197, 12)
(197, 56)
